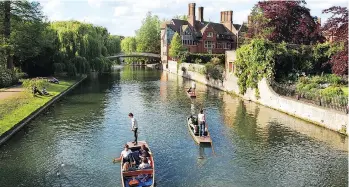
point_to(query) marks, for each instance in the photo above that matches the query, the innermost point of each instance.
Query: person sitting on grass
(54, 80)
(44, 91)
(36, 91)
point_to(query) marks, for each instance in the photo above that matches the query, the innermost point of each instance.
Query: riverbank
(21, 107)
(328, 118)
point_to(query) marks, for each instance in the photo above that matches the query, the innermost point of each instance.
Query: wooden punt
(126, 176)
(191, 94)
(199, 139)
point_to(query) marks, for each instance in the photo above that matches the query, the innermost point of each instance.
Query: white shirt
(134, 123)
(143, 165)
(201, 117)
(193, 85)
(125, 153)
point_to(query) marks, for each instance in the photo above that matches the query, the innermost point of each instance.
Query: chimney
(201, 14)
(227, 19)
(191, 14)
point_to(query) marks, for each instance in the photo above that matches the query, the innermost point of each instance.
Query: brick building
(200, 36)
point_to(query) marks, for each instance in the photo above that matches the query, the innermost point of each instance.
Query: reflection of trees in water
(245, 124)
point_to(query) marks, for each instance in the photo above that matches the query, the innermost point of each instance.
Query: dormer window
(210, 34)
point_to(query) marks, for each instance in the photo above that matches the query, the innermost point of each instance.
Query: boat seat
(138, 172)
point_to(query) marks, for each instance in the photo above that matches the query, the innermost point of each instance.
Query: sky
(123, 17)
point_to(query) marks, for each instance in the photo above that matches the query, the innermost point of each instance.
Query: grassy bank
(14, 109)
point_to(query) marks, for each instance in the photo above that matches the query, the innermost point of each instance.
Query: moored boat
(138, 177)
(193, 130)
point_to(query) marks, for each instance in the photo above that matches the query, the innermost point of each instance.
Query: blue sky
(123, 17)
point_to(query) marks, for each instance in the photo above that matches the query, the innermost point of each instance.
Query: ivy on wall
(253, 62)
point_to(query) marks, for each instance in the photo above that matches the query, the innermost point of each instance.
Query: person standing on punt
(202, 121)
(134, 127)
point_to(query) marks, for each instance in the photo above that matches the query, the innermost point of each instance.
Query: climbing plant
(254, 61)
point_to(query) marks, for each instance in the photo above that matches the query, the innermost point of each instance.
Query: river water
(74, 142)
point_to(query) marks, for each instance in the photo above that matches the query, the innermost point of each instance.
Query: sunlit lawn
(18, 107)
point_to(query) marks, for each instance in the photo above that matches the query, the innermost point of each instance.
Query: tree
(176, 46)
(181, 17)
(338, 25)
(113, 44)
(128, 45)
(288, 21)
(148, 36)
(20, 11)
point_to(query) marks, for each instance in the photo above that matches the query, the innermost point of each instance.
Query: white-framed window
(228, 45)
(209, 44)
(210, 34)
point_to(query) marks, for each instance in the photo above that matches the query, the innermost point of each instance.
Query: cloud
(121, 11)
(94, 3)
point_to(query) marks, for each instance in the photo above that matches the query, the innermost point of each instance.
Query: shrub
(332, 91)
(7, 78)
(214, 69)
(28, 84)
(21, 75)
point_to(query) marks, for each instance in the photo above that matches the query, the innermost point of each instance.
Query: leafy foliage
(148, 35)
(176, 47)
(288, 21)
(338, 25)
(29, 84)
(7, 77)
(253, 62)
(215, 69)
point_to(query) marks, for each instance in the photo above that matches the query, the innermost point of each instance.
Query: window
(228, 45)
(219, 45)
(210, 34)
(209, 44)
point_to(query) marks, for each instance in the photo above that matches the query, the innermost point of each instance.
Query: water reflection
(252, 145)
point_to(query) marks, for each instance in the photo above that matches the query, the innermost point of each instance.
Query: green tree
(176, 46)
(113, 44)
(148, 36)
(17, 11)
(128, 45)
(181, 17)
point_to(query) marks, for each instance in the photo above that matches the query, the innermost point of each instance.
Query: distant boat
(191, 94)
(136, 176)
(198, 139)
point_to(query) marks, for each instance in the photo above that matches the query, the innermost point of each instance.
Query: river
(74, 142)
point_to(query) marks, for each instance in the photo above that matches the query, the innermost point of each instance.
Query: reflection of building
(163, 85)
(200, 36)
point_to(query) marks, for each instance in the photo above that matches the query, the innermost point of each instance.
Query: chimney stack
(227, 19)
(191, 14)
(201, 14)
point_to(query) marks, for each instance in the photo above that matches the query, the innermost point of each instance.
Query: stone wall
(329, 118)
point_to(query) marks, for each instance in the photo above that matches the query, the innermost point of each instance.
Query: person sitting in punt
(144, 164)
(125, 153)
(144, 151)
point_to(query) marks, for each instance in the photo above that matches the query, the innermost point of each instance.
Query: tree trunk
(7, 32)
